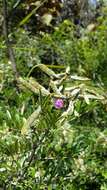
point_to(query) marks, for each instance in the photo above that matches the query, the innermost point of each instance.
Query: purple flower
(59, 103)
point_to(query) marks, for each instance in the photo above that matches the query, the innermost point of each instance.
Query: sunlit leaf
(29, 122)
(75, 77)
(47, 18)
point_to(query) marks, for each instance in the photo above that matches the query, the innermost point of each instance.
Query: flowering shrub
(53, 128)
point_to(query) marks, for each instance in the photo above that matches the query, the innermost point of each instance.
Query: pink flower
(59, 103)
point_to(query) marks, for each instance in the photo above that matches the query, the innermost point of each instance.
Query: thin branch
(7, 41)
(31, 157)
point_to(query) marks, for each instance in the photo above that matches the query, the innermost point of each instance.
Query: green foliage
(42, 147)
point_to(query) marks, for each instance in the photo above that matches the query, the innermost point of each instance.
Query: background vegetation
(49, 55)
